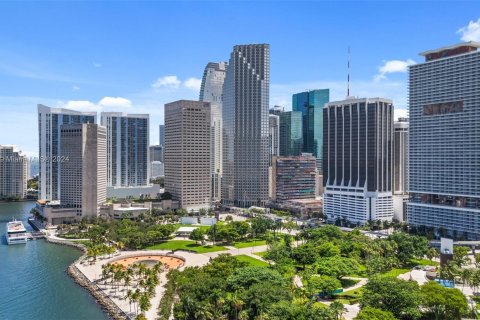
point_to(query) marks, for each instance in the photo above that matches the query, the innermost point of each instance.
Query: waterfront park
(263, 268)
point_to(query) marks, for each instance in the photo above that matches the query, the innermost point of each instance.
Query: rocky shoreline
(107, 305)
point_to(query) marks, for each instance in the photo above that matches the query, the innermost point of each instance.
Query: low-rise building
(295, 177)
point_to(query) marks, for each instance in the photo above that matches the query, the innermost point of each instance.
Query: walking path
(94, 273)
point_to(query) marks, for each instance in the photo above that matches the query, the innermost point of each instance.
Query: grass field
(185, 245)
(260, 254)
(249, 243)
(252, 261)
(423, 262)
(350, 296)
(395, 272)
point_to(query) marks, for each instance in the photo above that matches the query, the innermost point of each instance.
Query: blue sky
(136, 56)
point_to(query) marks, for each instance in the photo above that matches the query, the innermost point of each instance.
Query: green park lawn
(249, 243)
(350, 296)
(395, 272)
(252, 261)
(260, 254)
(185, 245)
(423, 262)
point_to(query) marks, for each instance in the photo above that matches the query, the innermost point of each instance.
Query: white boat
(16, 232)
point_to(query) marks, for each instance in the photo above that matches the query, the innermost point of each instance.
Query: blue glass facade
(311, 104)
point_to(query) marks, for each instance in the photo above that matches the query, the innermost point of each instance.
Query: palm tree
(203, 312)
(129, 297)
(144, 303)
(338, 309)
(237, 304)
(466, 276)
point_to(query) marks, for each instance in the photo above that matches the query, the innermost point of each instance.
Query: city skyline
(93, 72)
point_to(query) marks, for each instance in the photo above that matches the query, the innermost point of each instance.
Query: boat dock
(38, 227)
(34, 235)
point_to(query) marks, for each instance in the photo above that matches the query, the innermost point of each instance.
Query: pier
(35, 235)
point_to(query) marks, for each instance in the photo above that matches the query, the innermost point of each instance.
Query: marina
(33, 277)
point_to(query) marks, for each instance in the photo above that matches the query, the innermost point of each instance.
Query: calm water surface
(33, 281)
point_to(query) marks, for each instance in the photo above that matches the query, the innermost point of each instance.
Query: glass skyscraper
(211, 90)
(291, 133)
(311, 103)
(444, 146)
(246, 126)
(127, 149)
(49, 122)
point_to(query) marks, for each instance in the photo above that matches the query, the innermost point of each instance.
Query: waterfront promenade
(93, 272)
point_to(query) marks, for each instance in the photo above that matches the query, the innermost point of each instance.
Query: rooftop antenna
(348, 73)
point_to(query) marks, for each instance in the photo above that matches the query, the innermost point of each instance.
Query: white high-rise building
(357, 160)
(13, 173)
(274, 136)
(49, 122)
(211, 91)
(400, 168)
(246, 154)
(187, 153)
(127, 149)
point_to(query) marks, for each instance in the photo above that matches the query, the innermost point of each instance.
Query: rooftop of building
(352, 100)
(45, 109)
(448, 51)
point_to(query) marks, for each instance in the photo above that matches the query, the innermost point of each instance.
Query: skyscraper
(161, 130)
(49, 122)
(274, 136)
(245, 126)
(211, 90)
(291, 133)
(156, 153)
(357, 161)
(13, 173)
(127, 149)
(187, 153)
(400, 168)
(444, 145)
(83, 172)
(311, 103)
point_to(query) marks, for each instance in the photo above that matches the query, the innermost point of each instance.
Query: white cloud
(97, 65)
(119, 102)
(80, 105)
(393, 66)
(75, 88)
(193, 84)
(471, 32)
(166, 82)
(106, 103)
(400, 113)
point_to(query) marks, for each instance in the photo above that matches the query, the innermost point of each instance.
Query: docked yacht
(16, 232)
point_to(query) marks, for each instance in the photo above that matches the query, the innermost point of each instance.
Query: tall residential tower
(211, 90)
(127, 149)
(13, 173)
(49, 122)
(444, 146)
(245, 126)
